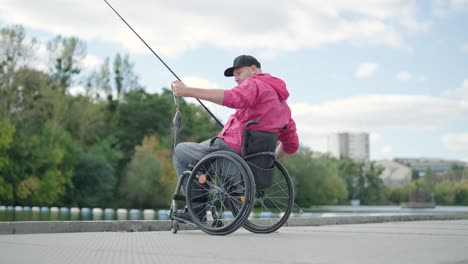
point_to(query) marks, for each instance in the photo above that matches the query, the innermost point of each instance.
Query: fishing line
(177, 120)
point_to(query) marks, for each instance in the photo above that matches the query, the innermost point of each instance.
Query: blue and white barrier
(74, 213)
(148, 214)
(163, 214)
(97, 213)
(109, 214)
(134, 214)
(85, 213)
(122, 214)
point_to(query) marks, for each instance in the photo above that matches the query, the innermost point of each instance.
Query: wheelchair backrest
(258, 150)
(258, 141)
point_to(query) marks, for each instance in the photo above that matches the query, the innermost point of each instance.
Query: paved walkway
(395, 242)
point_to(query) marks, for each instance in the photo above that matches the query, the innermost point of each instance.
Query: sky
(397, 70)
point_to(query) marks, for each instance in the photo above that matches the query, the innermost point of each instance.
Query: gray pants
(187, 154)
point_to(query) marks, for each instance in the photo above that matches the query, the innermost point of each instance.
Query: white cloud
(375, 138)
(460, 92)
(455, 141)
(91, 61)
(442, 8)
(387, 152)
(373, 114)
(370, 112)
(404, 76)
(422, 78)
(77, 90)
(176, 26)
(195, 81)
(365, 70)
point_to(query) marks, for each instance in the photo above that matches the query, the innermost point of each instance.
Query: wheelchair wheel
(272, 205)
(219, 185)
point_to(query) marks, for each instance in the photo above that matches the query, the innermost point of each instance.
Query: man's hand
(213, 95)
(179, 88)
(280, 153)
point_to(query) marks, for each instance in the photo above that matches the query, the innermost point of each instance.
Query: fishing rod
(177, 118)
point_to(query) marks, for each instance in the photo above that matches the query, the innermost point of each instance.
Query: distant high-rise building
(352, 145)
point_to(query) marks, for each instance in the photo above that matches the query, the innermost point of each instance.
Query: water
(10, 213)
(337, 211)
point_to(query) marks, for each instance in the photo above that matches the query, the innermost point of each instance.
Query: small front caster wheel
(174, 226)
(217, 223)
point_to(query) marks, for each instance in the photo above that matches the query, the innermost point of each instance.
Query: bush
(316, 180)
(445, 193)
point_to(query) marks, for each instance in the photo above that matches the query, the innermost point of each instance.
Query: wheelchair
(225, 190)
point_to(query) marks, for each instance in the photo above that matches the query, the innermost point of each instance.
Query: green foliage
(14, 51)
(7, 131)
(66, 54)
(41, 165)
(139, 115)
(108, 149)
(6, 191)
(445, 192)
(316, 180)
(85, 120)
(371, 186)
(363, 181)
(144, 184)
(428, 180)
(43, 128)
(396, 196)
(124, 77)
(350, 171)
(197, 124)
(451, 193)
(94, 181)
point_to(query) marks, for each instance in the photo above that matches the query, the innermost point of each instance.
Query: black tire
(273, 204)
(228, 187)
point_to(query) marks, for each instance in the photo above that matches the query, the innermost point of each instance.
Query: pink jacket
(261, 97)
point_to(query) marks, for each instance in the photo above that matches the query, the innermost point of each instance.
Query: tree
(371, 186)
(43, 166)
(124, 76)
(15, 51)
(86, 120)
(429, 180)
(108, 148)
(350, 171)
(93, 182)
(66, 54)
(316, 180)
(197, 124)
(414, 175)
(445, 193)
(7, 130)
(149, 178)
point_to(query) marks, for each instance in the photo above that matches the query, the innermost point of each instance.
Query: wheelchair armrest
(252, 122)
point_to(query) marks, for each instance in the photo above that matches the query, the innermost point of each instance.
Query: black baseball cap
(241, 61)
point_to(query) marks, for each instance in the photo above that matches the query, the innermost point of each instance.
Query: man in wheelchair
(257, 96)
